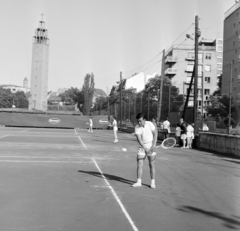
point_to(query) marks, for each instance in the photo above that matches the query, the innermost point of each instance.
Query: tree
(22, 100)
(153, 87)
(72, 96)
(7, 99)
(88, 90)
(218, 92)
(219, 105)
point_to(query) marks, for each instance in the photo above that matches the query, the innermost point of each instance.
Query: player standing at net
(115, 129)
(146, 134)
(90, 125)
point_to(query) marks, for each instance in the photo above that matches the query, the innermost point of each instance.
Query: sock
(139, 181)
(153, 181)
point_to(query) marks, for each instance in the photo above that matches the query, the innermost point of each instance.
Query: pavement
(69, 179)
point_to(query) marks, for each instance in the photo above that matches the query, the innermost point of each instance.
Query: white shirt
(166, 125)
(190, 131)
(178, 131)
(146, 132)
(115, 125)
(90, 122)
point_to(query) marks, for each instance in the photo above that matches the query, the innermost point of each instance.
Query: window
(219, 54)
(200, 57)
(238, 78)
(190, 91)
(207, 68)
(206, 91)
(200, 70)
(190, 67)
(220, 42)
(219, 60)
(199, 103)
(208, 56)
(220, 48)
(200, 81)
(191, 55)
(189, 79)
(219, 66)
(207, 79)
(238, 57)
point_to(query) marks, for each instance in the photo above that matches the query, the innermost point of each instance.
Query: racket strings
(169, 142)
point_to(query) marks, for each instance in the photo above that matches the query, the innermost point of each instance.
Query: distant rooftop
(232, 9)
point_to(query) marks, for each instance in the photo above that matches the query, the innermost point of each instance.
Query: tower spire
(42, 16)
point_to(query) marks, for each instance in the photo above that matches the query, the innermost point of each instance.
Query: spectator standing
(204, 128)
(190, 135)
(178, 134)
(166, 128)
(183, 132)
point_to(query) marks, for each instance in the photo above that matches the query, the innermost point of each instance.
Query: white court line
(42, 161)
(25, 130)
(75, 131)
(117, 198)
(3, 136)
(81, 141)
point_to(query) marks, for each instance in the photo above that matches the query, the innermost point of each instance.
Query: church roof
(99, 93)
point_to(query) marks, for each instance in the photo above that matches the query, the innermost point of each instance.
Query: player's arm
(155, 135)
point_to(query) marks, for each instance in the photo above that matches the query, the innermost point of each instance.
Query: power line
(143, 64)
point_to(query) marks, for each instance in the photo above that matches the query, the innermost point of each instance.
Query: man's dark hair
(141, 115)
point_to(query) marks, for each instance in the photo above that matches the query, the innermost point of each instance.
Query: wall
(221, 143)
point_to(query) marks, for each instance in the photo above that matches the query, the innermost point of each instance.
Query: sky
(103, 37)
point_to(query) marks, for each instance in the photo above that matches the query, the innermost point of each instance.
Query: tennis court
(69, 179)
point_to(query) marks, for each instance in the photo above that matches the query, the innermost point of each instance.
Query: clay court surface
(72, 180)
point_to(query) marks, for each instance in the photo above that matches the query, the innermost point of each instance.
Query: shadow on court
(228, 222)
(110, 177)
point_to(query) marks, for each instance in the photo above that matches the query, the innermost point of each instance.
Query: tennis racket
(168, 143)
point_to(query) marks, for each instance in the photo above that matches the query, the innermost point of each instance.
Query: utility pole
(202, 96)
(161, 87)
(195, 105)
(108, 105)
(120, 100)
(230, 99)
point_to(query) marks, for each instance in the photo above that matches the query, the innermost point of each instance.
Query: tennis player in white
(146, 134)
(90, 125)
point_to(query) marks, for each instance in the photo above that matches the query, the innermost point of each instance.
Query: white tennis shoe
(137, 184)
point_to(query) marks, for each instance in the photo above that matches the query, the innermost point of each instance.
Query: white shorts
(143, 154)
(115, 128)
(183, 136)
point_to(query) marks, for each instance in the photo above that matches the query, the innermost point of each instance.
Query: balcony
(171, 71)
(171, 59)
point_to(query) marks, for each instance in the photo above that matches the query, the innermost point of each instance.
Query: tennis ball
(124, 149)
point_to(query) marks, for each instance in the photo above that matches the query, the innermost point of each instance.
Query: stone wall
(221, 143)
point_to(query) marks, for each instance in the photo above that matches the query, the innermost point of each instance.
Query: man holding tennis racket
(146, 134)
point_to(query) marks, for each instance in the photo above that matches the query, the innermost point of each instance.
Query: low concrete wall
(221, 143)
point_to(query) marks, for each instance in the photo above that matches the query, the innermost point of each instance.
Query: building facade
(231, 57)
(39, 72)
(179, 66)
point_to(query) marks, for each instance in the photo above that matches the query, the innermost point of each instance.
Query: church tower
(39, 72)
(25, 82)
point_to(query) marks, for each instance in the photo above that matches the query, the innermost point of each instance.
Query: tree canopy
(88, 90)
(8, 99)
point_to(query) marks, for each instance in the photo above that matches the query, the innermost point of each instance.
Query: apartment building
(231, 56)
(179, 64)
